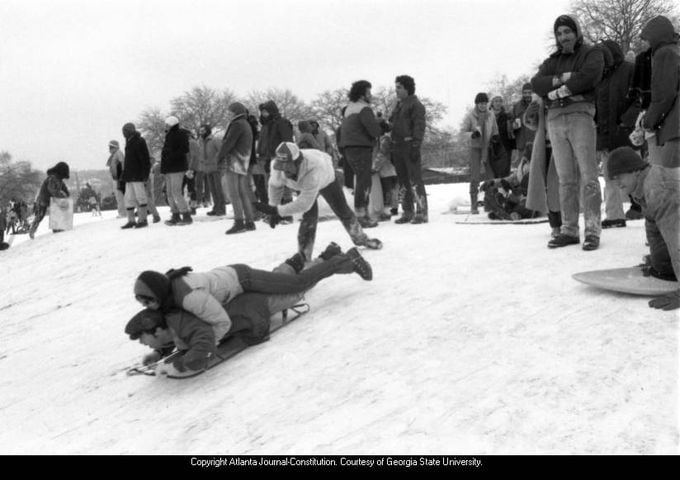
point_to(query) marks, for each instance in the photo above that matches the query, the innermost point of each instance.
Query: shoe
(419, 219)
(592, 242)
(474, 211)
(373, 244)
(193, 210)
(297, 262)
(128, 225)
(237, 227)
(617, 223)
(562, 240)
(367, 222)
(555, 232)
(250, 226)
(634, 214)
(361, 266)
(406, 218)
(186, 219)
(331, 251)
(141, 224)
(384, 217)
(174, 220)
(156, 218)
(213, 213)
(394, 211)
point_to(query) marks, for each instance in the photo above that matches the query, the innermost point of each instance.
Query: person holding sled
(52, 186)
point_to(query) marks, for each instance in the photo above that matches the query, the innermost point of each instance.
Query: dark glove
(274, 220)
(670, 301)
(476, 134)
(266, 209)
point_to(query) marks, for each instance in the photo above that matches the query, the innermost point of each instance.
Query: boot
(360, 265)
(238, 227)
(331, 251)
(174, 220)
(364, 219)
(297, 262)
(156, 218)
(131, 219)
(473, 204)
(406, 217)
(250, 226)
(186, 219)
(143, 213)
(419, 218)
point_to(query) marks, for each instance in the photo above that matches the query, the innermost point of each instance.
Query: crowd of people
(587, 105)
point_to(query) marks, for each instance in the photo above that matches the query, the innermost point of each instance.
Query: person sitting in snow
(311, 173)
(506, 197)
(654, 188)
(249, 315)
(53, 186)
(204, 294)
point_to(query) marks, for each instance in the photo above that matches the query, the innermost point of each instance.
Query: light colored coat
(543, 192)
(314, 173)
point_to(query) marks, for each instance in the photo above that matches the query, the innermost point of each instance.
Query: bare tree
(385, 99)
(202, 105)
(621, 20)
(17, 179)
(510, 90)
(290, 105)
(151, 125)
(327, 108)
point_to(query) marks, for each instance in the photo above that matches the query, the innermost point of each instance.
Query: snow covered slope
(470, 339)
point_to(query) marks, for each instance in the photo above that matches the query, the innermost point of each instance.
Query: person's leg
(130, 204)
(360, 160)
(170, 179)
(307, 231)
(151, 200)
(120, 201)
(400, 158)
(415, 173)
(662, 224)
(233, 189)
(247, 197)
(613, 197)
(39, 214)
(582, 136)
(475, 170)
(336, 200)
(567, 173)
(141, 199)
(215, 186)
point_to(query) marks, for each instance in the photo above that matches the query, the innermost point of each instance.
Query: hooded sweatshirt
(585, 64)
(663, 113)
(275, 129)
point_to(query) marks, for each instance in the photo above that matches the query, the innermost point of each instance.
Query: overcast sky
(73, 72)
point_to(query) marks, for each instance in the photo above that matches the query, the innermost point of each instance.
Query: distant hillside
(99, 180)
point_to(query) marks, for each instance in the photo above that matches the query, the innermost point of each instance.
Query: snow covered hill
(470, 339)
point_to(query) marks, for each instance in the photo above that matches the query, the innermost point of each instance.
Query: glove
(670, 301)
(150, 358)
(266, 209)
(476, 134)
(164, 368)
(561, 92)
(189, 174)
(274, 220)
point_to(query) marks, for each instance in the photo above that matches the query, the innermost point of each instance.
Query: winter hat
(287, 152)
(61, 169)
(114, 143)
(624, 160)
(171, 121)
(481, 98)
(145, 321)
(237, 108)
(565, 21)
(152, 284)
(527, 86)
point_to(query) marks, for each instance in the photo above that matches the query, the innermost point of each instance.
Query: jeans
(662, 215)
(476, 170)
(407, 162)
(613, 196)
(336, 200)
(573, 142)
(239, 186)
(173, 189)
(361, 159)
(214, 181)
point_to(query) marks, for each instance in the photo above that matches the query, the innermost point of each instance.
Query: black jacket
(175, 150)
(137, 165)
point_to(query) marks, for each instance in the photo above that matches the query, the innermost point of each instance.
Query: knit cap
(624, 160)
(145, 321)
(481, 98)
(152, 284)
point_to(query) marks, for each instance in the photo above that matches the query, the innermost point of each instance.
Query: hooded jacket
(275, 129)
(663, 113)
(307, 139)
(585, 64)
(175, 150)
(137, 165)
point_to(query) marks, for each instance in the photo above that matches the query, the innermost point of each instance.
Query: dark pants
(347, 173)
(263, 281)
(214, 180)
(361, 159)
(190, 184)
(407, 162)
(336, 200)
(261, 194)
(202, 192)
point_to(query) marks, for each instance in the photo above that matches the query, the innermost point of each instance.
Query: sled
(629, 280)
(61, 213)
(482, 219)
(229, 347)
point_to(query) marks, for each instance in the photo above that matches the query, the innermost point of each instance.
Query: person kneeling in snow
(204, 294)
(655, 189)
(249, 313)
(311, 173)
(506, 197)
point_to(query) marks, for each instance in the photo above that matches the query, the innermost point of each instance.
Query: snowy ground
(472, 339)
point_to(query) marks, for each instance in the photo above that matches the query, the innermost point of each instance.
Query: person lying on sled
(249, 319)
(506, 197)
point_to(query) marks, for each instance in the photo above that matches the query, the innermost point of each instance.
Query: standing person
(52, 186)
(408, 131)
(311, 173)
(520, 131)
(657, 189)
(614, 124)
(233, 160)
(209, 149)
(306, 139)
(325, 144)
(255, 170)
(358, 134)
(150, 187)
(347, 172)
(135, 174)
(173, 166)
(567, 81)
(481, 125)
(500, 163)
(115, 164)
(189, 180)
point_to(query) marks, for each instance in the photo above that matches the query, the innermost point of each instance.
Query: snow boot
(562, 240)
(297, 262)
(419, 218)
(238, 227)
(592, 242)
(131, 219)
(156, 218)
(372, 243)
(174, 220)
(616, 223)
(360, 265)
(250, 226)
(406, 217)
(186, 219)
(331, 251)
